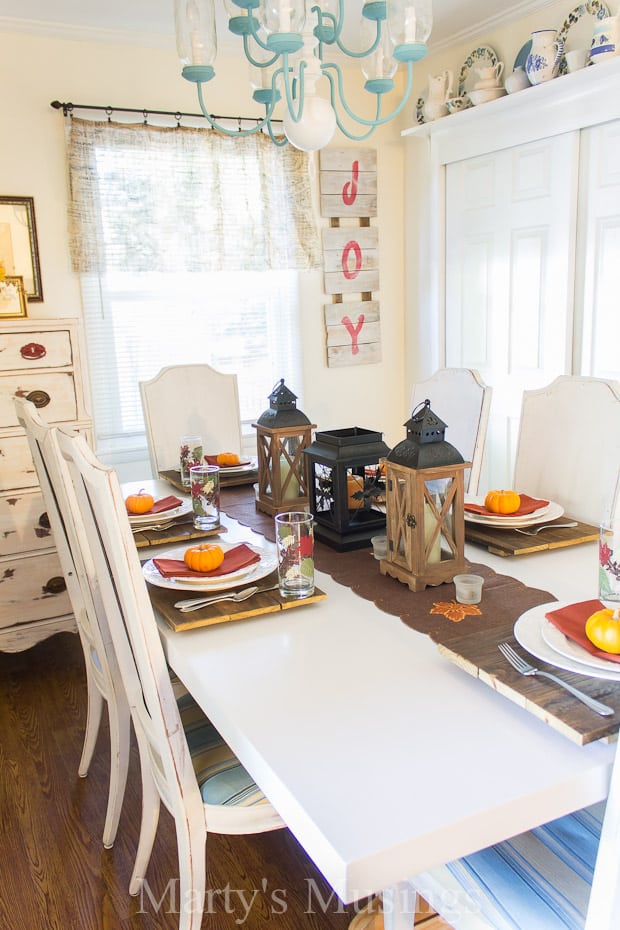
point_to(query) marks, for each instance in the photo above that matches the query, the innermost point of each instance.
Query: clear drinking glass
(205, 485)
(609, 566)
(190, 453)
(295, 547)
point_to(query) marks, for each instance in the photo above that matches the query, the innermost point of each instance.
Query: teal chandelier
(288, 43)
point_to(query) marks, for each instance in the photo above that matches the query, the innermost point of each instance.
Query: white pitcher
(606, 38)
(439, 90)
(543, 62)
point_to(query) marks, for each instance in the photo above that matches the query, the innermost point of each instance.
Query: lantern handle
(423, 403)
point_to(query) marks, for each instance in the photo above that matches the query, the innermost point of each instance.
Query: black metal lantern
(425, 495)
(347, 490)
(282, 434)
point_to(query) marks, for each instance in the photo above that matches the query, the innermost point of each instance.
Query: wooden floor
(55, 873)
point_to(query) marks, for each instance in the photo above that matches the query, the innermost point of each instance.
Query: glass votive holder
(468, 588)
(205, 487)
(190, 453)
(379, 546)
(295, 551)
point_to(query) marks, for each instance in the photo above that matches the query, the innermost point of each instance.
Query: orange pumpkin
(204, 558)
(355, 485)
(140, 502)
(504, 502)
(604, 631)
(228, 458)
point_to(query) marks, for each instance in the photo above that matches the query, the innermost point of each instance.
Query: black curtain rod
(68, 108)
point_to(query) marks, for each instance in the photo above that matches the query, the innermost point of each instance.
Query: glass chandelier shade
(288, 45)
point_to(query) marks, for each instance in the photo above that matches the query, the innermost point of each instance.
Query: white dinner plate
(250, 574)
(546, 514)
(528, 633)
(567, 647)
(145, 519)
(241, 469)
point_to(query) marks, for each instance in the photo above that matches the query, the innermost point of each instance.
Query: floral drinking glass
(295, 548)
(190, 453)
(609, 566)
(205, 485)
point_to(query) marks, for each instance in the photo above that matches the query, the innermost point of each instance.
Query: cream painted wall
(35, 70)
(422, 326)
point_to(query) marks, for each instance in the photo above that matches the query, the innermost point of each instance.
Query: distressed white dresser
(40, 360)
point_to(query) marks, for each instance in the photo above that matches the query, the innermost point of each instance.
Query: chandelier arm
(255, 34)
(335, 24)
(358, 119)
(295, 116)
(350, 135)
(260, 123)
(280, 142)
(351, 54)
(257, 64)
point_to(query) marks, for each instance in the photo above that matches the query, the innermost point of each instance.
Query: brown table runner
(467, 635)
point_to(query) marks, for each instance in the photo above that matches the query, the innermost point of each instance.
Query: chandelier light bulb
(315, 128)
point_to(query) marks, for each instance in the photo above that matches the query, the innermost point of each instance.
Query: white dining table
(382, 757)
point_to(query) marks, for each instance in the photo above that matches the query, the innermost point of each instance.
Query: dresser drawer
(32, 588)
(24, 526)
(52, 393)
(35, 349)
(17, 469)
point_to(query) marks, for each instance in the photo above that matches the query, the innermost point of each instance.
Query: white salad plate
(247, 575)
(567, 647)
(550, 511)
(528, 632)
(146, 519)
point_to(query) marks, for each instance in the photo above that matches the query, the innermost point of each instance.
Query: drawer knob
(44, 521)
(33, 350)
(39, 398)
(55, 585)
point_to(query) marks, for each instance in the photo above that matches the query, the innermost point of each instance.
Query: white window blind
(189, 248)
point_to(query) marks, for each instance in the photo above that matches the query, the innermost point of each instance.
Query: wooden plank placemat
(265, 602)
(478, 655)
(507, 542)
(184, 531)
(173, 477)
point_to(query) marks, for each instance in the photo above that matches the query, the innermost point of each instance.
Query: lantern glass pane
(439, 545)
(323, 478)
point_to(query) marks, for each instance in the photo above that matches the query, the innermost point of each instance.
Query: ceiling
(151, 22)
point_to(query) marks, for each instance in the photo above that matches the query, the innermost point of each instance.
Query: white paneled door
(598, 253)
(510, 247)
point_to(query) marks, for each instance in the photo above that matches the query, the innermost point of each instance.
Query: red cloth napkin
(527, 505)
(212, 460)
(571, 620)
(234, 559)
(166, 503)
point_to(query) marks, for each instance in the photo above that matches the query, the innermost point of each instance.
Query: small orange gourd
(228, 458)
(203, 558)
(140, 502)
(604, 631)
(503, 502)
(355, 486)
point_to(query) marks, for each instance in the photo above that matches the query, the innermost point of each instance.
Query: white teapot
(489, 76)
(439, 90)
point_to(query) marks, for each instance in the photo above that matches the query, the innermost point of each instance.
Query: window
(189, 248)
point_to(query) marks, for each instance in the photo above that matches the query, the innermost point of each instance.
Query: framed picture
(19, 250)
(13, 303)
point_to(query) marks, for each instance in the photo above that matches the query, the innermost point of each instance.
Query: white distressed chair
(462, 400)
(102, 675)
(184, 762)
(190, 400)
(568, 449)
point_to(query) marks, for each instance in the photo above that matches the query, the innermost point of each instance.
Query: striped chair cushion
(221, 777)
(538, 880)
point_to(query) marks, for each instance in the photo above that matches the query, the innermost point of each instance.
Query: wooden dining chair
(190, 400)
(568, 449)
(462, 400)
(103, 679)
(562, 875)
(184, 761)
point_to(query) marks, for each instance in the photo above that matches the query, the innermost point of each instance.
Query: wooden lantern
(425, 495)
(282, 434)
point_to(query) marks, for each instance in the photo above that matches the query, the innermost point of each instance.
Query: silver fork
(524, 668)
(534, 531)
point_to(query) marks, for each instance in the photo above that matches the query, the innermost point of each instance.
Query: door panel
(510, 243)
